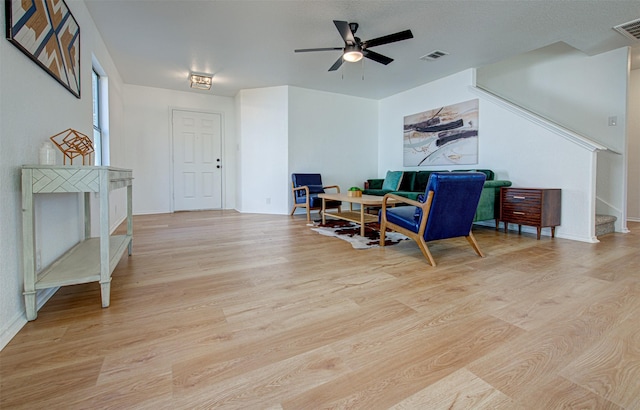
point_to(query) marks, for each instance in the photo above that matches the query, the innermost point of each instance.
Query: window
(97, 130)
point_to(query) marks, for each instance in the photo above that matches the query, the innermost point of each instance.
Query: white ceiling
(249, 44)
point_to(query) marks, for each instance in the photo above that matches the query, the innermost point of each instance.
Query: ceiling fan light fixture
(352, 54)
(201, 81)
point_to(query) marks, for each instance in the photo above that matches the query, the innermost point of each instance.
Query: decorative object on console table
(47, 154)
(73, 144)
(48, 34)
(539, 207)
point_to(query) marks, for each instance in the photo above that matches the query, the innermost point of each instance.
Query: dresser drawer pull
(518, 213)
(519, 197)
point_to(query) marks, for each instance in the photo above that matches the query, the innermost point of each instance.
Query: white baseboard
(20, 319)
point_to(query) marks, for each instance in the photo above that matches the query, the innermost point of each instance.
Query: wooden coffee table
(353, 216)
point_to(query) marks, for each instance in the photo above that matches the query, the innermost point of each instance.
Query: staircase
(605, 224)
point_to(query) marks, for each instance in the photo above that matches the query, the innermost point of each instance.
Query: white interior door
(197, 160)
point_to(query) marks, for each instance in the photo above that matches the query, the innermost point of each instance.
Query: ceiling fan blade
(391, 38)
(345, 32)
(377, 57)
(306, 50)
(337, 64)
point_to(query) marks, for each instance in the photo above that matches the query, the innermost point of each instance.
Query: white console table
(91, 260)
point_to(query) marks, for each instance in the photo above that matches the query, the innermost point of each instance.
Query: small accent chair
(446, 210)
(305, 190)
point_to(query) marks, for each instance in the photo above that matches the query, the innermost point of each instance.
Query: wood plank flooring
(225, 310)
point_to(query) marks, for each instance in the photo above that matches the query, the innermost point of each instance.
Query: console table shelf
(81, 264)
(91, 260)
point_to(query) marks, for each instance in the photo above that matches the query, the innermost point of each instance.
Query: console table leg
(105, 290)
(30, 305)
(539, 229)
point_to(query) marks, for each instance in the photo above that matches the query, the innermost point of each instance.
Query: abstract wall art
(442, 136)
(47, 32)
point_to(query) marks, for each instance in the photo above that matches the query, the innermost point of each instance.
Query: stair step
(605, 224)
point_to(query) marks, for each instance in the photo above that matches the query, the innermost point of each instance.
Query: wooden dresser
(539, 207)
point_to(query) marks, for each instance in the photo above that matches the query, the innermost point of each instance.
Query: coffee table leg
(362, 220)
(324, 208)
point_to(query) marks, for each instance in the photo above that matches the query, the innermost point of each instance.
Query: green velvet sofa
(414, 183)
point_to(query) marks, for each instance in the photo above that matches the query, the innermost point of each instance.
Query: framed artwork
(442, 136)
(47, 32)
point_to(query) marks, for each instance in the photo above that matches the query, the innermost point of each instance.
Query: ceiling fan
(354, 48)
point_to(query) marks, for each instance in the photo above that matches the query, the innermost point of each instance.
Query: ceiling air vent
(630, 29)
(434, 55)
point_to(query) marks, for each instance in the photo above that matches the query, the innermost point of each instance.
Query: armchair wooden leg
(425, 251)
(293, 210)
(474, 244)
(308, 215)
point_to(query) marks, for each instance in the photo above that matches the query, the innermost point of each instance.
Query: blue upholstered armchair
(305, 189)
(446, 210)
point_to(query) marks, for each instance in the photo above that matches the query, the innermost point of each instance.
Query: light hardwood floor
(226, 310)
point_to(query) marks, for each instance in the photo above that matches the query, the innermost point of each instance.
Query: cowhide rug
(350, 232)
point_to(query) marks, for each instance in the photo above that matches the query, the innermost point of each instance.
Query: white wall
(33, 107)
(633, 135)
(581, 93)
(147, 142)
(513, 147)
(333, 134)
(262, 150)
(558, 82)
(283, 130)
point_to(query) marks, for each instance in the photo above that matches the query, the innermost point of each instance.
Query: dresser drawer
(519, 196)
(522, 217)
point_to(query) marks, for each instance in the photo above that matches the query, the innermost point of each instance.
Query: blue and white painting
(442, 136)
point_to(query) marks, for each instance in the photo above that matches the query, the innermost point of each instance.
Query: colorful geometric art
(47, 32)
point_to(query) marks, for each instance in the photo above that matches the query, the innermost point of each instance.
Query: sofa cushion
(378, 192)
(488, 207)
(421, 179)
(408, 178)
(375, 183)
(392, 180)
(487, 172)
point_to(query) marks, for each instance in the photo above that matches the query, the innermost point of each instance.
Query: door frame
(172, 108)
